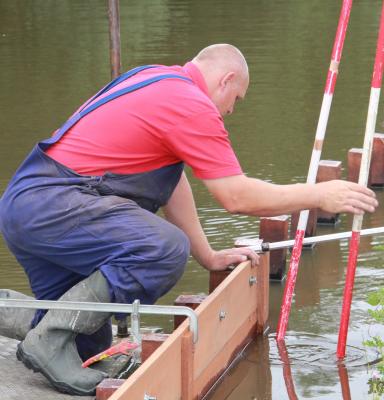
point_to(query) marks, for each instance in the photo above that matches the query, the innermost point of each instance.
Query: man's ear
(227, 78)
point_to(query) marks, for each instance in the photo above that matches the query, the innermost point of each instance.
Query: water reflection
(294, 363)
(344, 381)
(253, 374)
(287, 373)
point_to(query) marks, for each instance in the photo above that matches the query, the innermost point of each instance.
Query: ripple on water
(318, 351)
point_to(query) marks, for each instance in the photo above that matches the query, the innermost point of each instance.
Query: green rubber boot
(15, 323)
(50, 348)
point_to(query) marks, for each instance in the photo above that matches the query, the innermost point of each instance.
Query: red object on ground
(123, 347)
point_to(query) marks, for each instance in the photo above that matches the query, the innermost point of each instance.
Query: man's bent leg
(141, 255)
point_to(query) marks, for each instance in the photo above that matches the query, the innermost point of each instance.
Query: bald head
(222, 57)
(225, 71)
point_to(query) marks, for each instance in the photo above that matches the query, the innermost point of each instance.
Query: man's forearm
(243, 195)
(181, 211)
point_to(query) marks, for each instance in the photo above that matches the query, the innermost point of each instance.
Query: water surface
(54, 55)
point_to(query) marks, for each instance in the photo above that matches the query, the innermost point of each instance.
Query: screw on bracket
(252, 280)
(222, 315)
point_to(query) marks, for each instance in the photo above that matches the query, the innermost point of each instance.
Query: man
(79, 214)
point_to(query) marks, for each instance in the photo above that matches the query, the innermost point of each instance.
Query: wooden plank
(153, 377)
(220, 340)
(275, 229)
(221, 359)
(187, 357)
(262, 290)
(237, 299)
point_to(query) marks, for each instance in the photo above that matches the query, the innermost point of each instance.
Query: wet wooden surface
(18, 382)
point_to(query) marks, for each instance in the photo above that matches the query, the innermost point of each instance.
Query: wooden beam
(275, 229)
(187, 357)
(328, 170)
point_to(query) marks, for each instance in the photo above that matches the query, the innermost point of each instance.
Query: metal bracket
(135, 330)
(252, 280)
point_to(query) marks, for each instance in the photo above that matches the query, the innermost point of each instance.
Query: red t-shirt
(164, 123)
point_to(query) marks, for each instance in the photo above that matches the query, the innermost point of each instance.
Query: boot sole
(31, 363)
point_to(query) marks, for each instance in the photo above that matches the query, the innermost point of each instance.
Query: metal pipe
(259, 246)
(114, 37)
(317, 239)
(135, 329)
(106, 307)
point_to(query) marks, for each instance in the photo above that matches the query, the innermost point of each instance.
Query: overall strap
(87, 109)
(116, 81)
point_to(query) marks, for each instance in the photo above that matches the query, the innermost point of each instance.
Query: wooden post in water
(114, 37)
(328, 170)
(310, 228)
(376, 173)
(376, 170)
(275, 229)
(187, 300)
(354, 161)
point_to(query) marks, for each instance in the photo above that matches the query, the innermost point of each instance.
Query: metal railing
(107, 307)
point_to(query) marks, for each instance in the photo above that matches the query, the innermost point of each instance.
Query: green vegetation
(376, 382)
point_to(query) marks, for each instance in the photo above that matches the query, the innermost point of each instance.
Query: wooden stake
(114, 37)
(274, 229)
(328, 170)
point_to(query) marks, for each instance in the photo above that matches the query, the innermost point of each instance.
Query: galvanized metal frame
(107, 307)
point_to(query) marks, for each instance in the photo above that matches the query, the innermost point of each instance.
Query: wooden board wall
(179, 369)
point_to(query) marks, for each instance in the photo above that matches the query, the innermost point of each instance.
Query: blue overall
(62, 226)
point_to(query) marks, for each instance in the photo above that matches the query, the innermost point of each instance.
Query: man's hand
(342, 196)
(222, 259)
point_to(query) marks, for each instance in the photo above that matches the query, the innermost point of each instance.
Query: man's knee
(175, 252)
(151, 270)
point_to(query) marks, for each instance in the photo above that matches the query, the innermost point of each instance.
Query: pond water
(54, 55)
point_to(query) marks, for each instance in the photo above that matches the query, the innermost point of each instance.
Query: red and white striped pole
(314, 165)
(363, 180)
